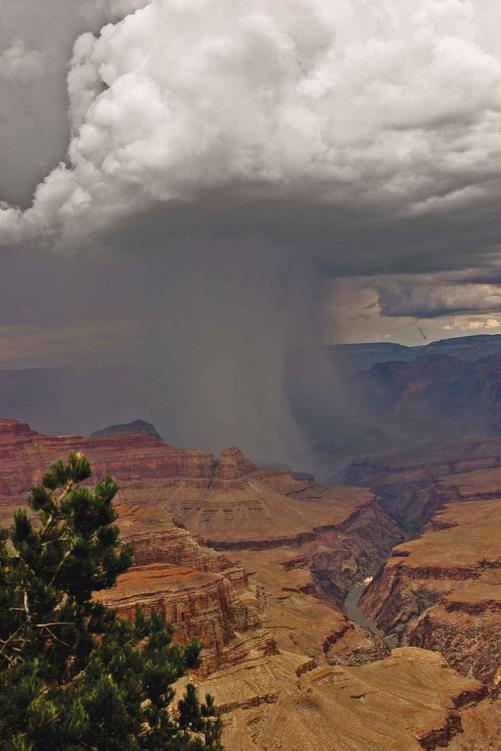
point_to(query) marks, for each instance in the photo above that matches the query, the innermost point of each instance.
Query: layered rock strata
(217, 610)
(287, 666)
(201, 591)
(338, 533)
(408, 484)
(442, 590)
(137, 460)
(315, 540)
(407, 702)
(465, 626)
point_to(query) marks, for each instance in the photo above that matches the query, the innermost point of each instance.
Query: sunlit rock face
(255, 563)
(409, 701)
(188, 514)
(227, 501)
(442, 590)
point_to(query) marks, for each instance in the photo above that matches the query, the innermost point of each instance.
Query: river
(351, 604)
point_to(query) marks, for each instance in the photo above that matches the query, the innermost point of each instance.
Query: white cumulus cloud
(383, 104)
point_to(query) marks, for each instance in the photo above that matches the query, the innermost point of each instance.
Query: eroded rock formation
(228, 503)
(407, 702)
(408, 483)
(442, 590)
(173, 504)
(255, 563)
(201, 591)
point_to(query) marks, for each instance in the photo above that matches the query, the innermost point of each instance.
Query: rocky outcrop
(464, 626)
(173, 504)
(142, 463)
(201, 591)
(409, 484)
(481, 727)
(232, 464)
(409, 701)
(442, 591)
(156, 538)
(204, 594)
(218, 610)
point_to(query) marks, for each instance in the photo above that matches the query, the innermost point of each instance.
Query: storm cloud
(223, 159)
(383, 105)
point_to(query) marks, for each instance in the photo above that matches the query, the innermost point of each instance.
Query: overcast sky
(214, 181)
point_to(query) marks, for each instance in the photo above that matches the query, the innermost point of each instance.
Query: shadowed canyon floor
(256, 563)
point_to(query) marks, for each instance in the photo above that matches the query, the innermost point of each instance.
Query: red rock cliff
(442, 590)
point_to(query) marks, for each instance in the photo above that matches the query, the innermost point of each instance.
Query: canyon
(256, 563)
(442, 590)
(394, 396)
(407, 483)
(185, 512)
(405, 702)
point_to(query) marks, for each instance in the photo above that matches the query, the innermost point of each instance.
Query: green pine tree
(73, 676)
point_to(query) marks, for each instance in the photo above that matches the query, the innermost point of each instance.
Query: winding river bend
(351, 604)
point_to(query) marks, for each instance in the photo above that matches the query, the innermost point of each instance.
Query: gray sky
(234, 178)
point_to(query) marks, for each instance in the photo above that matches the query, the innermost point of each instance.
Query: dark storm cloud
(427, 298)
(225, 156)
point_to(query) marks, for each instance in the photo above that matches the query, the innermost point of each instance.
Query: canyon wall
(338, 533)
(407, 483)
(442, 590)
(191, 517)
(255, 563)
(408, 701)
(207, 596)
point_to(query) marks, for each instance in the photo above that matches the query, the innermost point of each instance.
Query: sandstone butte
(255, 563)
